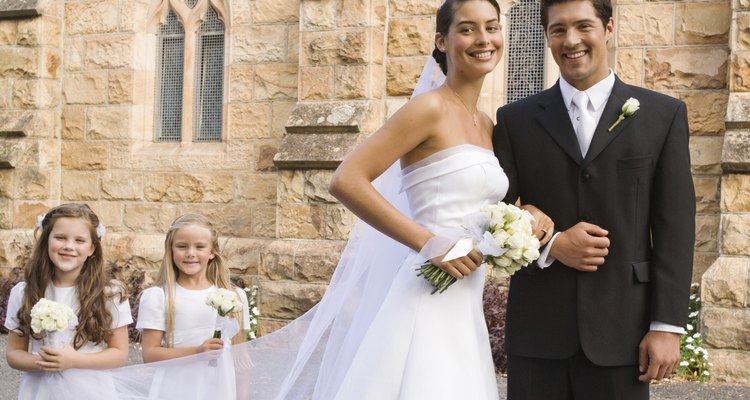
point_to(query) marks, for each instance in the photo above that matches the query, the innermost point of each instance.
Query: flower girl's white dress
(71, 383)
(422, 346)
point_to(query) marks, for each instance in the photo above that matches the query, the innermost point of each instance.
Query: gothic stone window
(189, 90)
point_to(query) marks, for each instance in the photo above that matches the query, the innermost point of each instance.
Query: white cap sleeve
(15, 299)
(151, 310)
(120, 311)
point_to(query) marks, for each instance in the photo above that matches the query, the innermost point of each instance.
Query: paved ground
(673, 390)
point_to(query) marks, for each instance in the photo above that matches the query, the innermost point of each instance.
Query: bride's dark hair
(443, 22)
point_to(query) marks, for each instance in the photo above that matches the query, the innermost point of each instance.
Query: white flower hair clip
(39, 220)
(101, 230)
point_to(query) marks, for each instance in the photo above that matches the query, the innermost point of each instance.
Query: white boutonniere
(629, 108)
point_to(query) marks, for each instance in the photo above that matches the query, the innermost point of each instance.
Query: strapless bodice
(445, 186)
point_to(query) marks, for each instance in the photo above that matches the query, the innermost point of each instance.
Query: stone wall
(30, 79)
(726, 285)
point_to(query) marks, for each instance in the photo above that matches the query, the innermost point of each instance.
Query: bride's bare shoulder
(428, 106)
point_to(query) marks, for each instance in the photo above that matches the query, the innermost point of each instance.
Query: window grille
(191, 3)
(169, 67)
(209, 79)
(525, 51)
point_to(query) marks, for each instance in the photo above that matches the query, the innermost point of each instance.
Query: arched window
(169, 67)
(189, 75)
(209, 81)
(526, 48)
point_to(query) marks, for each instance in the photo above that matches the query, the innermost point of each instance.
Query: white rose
(61, 324)
(517, 240)
(48, 324)
(514, 254)
(501, 237)
(631, 106)
(36, 326)
(531, 254)
(501, 261)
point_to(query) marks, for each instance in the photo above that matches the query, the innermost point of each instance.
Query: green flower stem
(439, 279)
(619, 119)
(217, 334)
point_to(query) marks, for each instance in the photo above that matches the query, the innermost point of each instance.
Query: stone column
(340, 101)
(725, 320)
(29, 120)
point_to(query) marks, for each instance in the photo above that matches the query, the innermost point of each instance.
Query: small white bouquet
(52, 317)
(502, 233)
(224, 301)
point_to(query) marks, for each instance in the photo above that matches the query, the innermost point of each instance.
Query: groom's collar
(598, 94)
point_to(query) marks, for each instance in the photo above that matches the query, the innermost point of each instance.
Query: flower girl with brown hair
(67, 266)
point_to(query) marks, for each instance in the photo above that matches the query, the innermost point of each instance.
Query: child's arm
(153, 351)
(17, 353)
(115, 355)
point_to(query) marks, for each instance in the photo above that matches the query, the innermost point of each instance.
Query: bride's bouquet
(52, 317)
(502, 232)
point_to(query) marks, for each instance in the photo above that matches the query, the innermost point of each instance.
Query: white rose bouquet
(502, 232)
(224, 301)
(52, 317)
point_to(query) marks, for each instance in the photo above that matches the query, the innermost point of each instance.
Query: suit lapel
(602, 136)
(555, 119)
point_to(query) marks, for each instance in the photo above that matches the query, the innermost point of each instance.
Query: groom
(605, 317)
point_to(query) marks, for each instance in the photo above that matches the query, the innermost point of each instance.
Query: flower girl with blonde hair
(175, 319)
(173, 315)
(67, 266)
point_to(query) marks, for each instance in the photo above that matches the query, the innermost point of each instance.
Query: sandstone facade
(305, 81)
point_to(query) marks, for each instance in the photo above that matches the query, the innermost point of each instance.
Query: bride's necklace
(473, 114)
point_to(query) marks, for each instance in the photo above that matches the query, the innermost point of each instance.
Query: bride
(417, 345)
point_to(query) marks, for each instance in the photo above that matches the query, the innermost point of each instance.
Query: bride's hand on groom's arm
(583, 247)
(543, 227)
(459, 267)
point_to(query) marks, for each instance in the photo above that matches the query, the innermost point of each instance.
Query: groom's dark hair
(443, 22)
(603, 9)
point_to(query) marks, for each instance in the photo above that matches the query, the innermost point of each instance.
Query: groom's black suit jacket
(636, 183)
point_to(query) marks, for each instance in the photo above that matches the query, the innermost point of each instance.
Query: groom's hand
(582, 247)
(658, 355)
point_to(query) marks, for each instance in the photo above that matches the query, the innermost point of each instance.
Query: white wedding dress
(422, 346)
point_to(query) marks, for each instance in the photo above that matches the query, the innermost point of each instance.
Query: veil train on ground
(306, 359)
